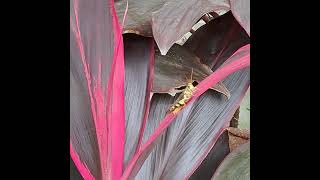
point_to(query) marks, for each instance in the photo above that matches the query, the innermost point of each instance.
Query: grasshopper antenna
(191, 74)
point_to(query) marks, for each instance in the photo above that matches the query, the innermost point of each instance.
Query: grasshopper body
(184, 97)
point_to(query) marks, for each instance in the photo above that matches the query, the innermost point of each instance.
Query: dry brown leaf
(237, 137)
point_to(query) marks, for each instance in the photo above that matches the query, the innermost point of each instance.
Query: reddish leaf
(217, 40)
(186, 141)
(97, 97)
(139, 62)
(241, 11)
(82, 129)
(212, 161)
(230, 67)
(173, 71)
(176, 18)
(228, 141)
(138, 20)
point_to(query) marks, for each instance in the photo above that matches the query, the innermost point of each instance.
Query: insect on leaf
(173, 70)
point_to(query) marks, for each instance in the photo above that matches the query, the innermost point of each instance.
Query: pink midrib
(101, 116)
(214, 78)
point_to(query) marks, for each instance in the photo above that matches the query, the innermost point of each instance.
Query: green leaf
(236, 166)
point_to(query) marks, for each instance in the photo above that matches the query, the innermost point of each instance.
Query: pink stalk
(136, 162)
(115, 105)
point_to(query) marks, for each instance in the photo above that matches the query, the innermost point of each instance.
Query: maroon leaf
(139, 62)
(234, 64)
(96, 98)
(193, 133)
(138, 19)
(216, 41)
(216, 155)
(82, 129)
(241, 11)
(176, 18)
(159, 105)
(174, 70)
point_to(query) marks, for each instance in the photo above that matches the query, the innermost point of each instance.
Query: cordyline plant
(123, 77)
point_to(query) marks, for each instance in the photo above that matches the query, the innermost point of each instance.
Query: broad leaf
(236, 62)
(241, 11)
(138, 19)
(96, 96)
(217, 40)
(193, 133)
(175, 69)
(177, 17)
(139, 62)
(228, 141)
(236, 165)
(216, 155)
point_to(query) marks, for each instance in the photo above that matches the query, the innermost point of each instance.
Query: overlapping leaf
(216, 41)
(139, 62)
(241, 11)
(96, 98)
(216, 155)
(175, 69)
(227, 142)
(138, 19)
(236, 165)
(176, 17)
(82, 129)
(236, 62)
(187, 140)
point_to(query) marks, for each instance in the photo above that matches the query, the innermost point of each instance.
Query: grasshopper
(184, 97)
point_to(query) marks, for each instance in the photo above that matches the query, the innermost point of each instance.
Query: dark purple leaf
(158, 108)
(138, 19)
(139, 53)
(96, 96)
(189, 138)
(82, 129)
(236, 165)
(241, 11)
(216, 41)
(234, 64)
(173, 71)
(176, 17)
(216, 155)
